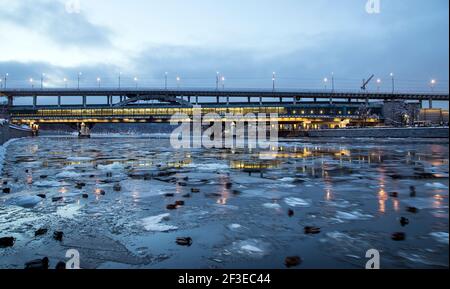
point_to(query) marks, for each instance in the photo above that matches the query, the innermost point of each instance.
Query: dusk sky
(303, 41)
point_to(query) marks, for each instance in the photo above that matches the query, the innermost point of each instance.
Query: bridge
(295, 109)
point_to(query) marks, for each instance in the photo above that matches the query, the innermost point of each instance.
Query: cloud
(51, 20)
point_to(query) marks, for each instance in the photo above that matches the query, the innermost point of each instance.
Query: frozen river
(109, 197)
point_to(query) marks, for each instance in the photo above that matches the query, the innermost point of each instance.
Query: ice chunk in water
(154, 223)
(47, 184)
(79, 159)
(355, 215)
(111, 167)
(436, 186)
(251, 247)
(297, 202)
(272, 206)
(68, 175)
(441, 237)
(24, 201)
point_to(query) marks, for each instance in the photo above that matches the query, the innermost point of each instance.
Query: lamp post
(6, 78)
(136, 81)
(79, 76)
(432, 85)
(120, 78)
(325, 81)
(393, 82)
(165, 80)
(178, 81)
(378, 84)
(98, 81)
(273, 81)
(65, 82)
(223, 82)
(42, 80)
(217, 80)
(332, 82)
(31, 82)
(1, 82)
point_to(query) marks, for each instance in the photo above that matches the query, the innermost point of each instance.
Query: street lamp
(433, 84)
(273, 81)
(1, 83)
(325, 81)
(65, 82)
(42, 80)
(223, 82)
(31, 82)
(79, 76)
(6, 78)
(217, 80)
(378, 84)
(393, 82)
(136, 81)
(120, 75)
(99, 81)
(178, 81)
(165, 80)
(332, 82)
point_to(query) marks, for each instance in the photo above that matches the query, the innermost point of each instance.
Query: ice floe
(441, 237)
(271, 206)
(153, 223)
(355, 215)
(297, 202)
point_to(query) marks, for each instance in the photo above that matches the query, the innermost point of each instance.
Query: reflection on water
(235, 203)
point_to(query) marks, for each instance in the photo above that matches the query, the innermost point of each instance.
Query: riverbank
(417, 132)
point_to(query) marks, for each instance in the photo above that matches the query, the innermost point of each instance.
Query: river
(109, 196)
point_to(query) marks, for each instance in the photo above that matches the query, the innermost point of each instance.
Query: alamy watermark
(373, 6)
(73, 6)
(251, 131)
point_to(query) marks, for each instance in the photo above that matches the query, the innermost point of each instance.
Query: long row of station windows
(188, 111)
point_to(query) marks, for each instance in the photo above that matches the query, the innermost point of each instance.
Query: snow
(271, 206)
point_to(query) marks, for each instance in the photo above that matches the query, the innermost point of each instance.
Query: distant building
(433, 116)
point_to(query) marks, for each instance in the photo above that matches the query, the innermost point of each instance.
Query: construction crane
(365, 83)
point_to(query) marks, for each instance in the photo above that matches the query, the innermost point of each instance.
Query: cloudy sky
(303, 41)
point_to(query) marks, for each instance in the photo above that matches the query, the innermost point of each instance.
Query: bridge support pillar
(10, 101)
(430, 103)
(349, 100)
(260, 100)
(84, 101)
(189, 99)
(34, 100)
(196, 100)
(228, 100)
(281, 99)
(218, 99)
(315, 99)
(249, 99)
(59, 100)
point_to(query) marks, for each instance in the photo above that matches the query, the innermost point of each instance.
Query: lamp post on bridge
(42, 80)
(31, 82)
(165, 80)
(136, 81)
(120, 78)
(273, 81)
(6, 78)
(65, 82)
(99, 80)
(223, 82)
(178, 81)
(393, 82)
(217, 80)
(433, 83)
(79, 76)
(378, 84)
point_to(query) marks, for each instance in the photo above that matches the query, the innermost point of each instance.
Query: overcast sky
(303, 41)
